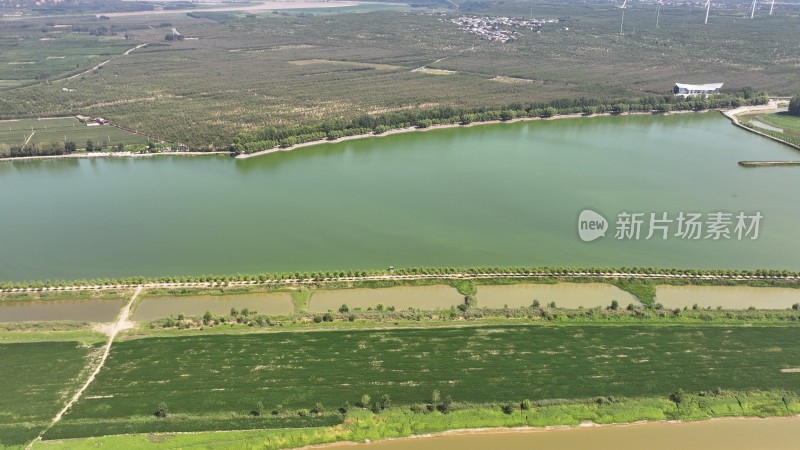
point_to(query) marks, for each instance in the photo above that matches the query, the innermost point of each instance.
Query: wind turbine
(708, 9)
(771, 6)
(753, 11)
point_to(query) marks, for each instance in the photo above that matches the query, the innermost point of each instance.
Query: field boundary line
(120, 324)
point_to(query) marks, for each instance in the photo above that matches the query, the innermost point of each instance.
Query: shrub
(386, 402)
(162, 411)
(259, 410)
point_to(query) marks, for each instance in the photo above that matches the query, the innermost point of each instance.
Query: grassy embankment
(216, 382)
(789, 124)
(360, 425)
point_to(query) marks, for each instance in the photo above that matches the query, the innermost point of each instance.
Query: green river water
(496, 195)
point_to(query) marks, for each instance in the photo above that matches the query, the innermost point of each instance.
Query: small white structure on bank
(696, 89)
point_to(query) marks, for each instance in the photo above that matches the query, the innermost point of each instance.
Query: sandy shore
(529, 430)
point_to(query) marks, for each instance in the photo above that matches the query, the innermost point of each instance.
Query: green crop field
(213, 382)
(37, 379)
(17, 132)
(238, 73)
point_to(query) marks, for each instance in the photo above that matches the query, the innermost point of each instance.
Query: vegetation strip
(301, 278)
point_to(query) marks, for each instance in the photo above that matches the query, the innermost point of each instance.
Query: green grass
(16, 132)
(300, 300)
(360, 426)
(789, 123)
(214, 376)
(38, 378)
(643, 290)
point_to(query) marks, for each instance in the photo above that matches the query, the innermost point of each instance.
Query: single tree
(436, 397)
(794, 105)
(677, 397)
(364, 403)
(385, 401)
(89, 145)
(259, 411)
(162, 411)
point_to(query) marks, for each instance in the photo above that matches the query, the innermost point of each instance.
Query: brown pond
(727, 434)
(272, 303)
(48, 310)
(401, 297)
(729, 297)
(566, 295)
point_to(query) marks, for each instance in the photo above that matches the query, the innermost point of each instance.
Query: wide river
(497, 195)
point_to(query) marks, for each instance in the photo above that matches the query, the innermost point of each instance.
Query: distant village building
(696, 89)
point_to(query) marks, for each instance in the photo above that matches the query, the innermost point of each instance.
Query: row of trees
(332, 129)
(48, 149)
(428, 271)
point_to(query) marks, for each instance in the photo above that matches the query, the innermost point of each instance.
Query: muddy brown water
(50, 310)
(728, 434)
(566, 295)
(272, 303)
(729, 297)
(401, 297)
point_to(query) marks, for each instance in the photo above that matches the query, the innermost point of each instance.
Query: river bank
(400, 427)
(627, 436)
(220, 281)
(343, 139)
(91, 155)
(731, 114)
(452, 125)
(771, 107)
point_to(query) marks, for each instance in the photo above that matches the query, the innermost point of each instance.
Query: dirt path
(90, 70)
(29, 138)
(122, 323)
(136, 48)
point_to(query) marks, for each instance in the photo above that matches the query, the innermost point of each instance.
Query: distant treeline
(271, 137)
(69, 147)
(42, 149)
